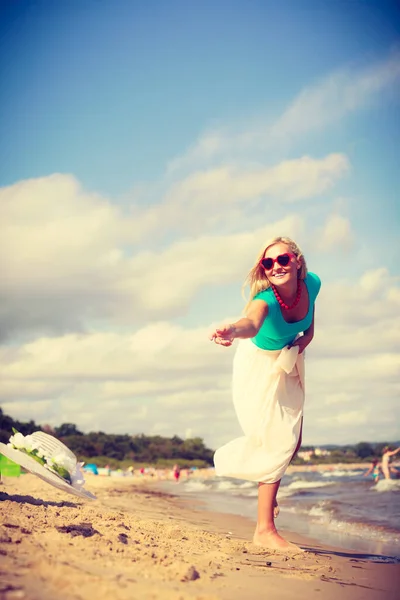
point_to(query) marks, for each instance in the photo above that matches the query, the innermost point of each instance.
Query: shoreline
(135, 541)
(316, 519)
(347, 536)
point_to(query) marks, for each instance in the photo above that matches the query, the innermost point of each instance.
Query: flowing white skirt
(268, 395)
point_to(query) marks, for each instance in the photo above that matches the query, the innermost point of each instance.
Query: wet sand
(135, 542)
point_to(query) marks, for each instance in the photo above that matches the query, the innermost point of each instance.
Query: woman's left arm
(303, 341)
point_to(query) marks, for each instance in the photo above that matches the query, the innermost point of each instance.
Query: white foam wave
(226, 485)
(247, 484)
(361, 530)
(196, 486)
(387, 485)
(319, 511)
(323, 514)
(339, 473)
(303, 484)
(247, 488)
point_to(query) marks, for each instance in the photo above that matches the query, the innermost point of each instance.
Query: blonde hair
(256, 278)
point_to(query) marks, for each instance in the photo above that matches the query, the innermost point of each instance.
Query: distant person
(387, 454)
(374, 470)
(176, 472)
(268, 376)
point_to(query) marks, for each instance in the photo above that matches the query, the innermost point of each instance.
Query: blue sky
(148, 150)
(110, 91)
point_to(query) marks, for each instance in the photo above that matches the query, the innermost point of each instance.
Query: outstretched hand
(223, 335)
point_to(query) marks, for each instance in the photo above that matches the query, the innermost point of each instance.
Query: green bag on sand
(8, 468)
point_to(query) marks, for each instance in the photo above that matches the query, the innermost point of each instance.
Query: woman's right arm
(393, 452)
(247, 327)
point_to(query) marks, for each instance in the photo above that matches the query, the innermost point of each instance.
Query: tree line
(349, 453)
(109, 448)
(103, 448)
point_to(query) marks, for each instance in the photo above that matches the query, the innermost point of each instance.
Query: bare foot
(273, 541)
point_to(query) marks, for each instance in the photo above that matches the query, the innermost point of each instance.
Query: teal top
(275, 333)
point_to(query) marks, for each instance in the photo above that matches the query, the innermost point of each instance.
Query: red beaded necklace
(282, 303)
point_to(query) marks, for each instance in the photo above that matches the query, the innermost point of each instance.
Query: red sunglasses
(283, 260)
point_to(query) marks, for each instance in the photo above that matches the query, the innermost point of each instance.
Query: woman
(268, 377)
(374, 470)
(387, 454)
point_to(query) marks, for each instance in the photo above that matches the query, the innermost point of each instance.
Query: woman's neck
(287, 291)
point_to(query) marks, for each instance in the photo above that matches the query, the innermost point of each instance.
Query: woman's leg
(276, 506)
(266, 533)
(385, 470)
(299, 442)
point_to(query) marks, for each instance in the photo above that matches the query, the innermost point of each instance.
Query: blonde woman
(387, 454)
(268, 377)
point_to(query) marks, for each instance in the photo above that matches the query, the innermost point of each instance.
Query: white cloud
(336, 233)
(316, 107)
(38, 412)
(290, 181)
(340, 398)
(71, 260)
(337, 95)
(31, 390)
(207, 146)
(352, 417)
(165, 378)
(368, 306)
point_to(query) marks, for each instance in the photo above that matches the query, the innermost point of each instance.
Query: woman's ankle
(265, 528)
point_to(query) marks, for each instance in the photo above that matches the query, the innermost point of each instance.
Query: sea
(339, 507)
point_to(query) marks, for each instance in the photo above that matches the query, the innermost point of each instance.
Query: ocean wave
(321, 510)
(245, 488)
(340, 473)
(387, 485)
(196, 486)
(225, 486)
(324, 514)
(233, 487)
(302, 484)
(247, 484)
(342, 509)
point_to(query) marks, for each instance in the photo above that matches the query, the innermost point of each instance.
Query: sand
(135, 542)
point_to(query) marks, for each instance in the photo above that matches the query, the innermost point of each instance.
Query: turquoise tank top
(275, 333)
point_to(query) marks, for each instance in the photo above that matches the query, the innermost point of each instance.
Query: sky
(148, 151)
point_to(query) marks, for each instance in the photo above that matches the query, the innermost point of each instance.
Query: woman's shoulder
(264, 295)
(314, 282)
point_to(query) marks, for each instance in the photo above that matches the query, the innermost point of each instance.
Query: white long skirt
(268, 395)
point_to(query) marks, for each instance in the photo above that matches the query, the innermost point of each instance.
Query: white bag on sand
(268, 396)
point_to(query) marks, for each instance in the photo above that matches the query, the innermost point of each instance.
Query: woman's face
(278, 274)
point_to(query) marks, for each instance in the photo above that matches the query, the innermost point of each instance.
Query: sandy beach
(135, 542)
